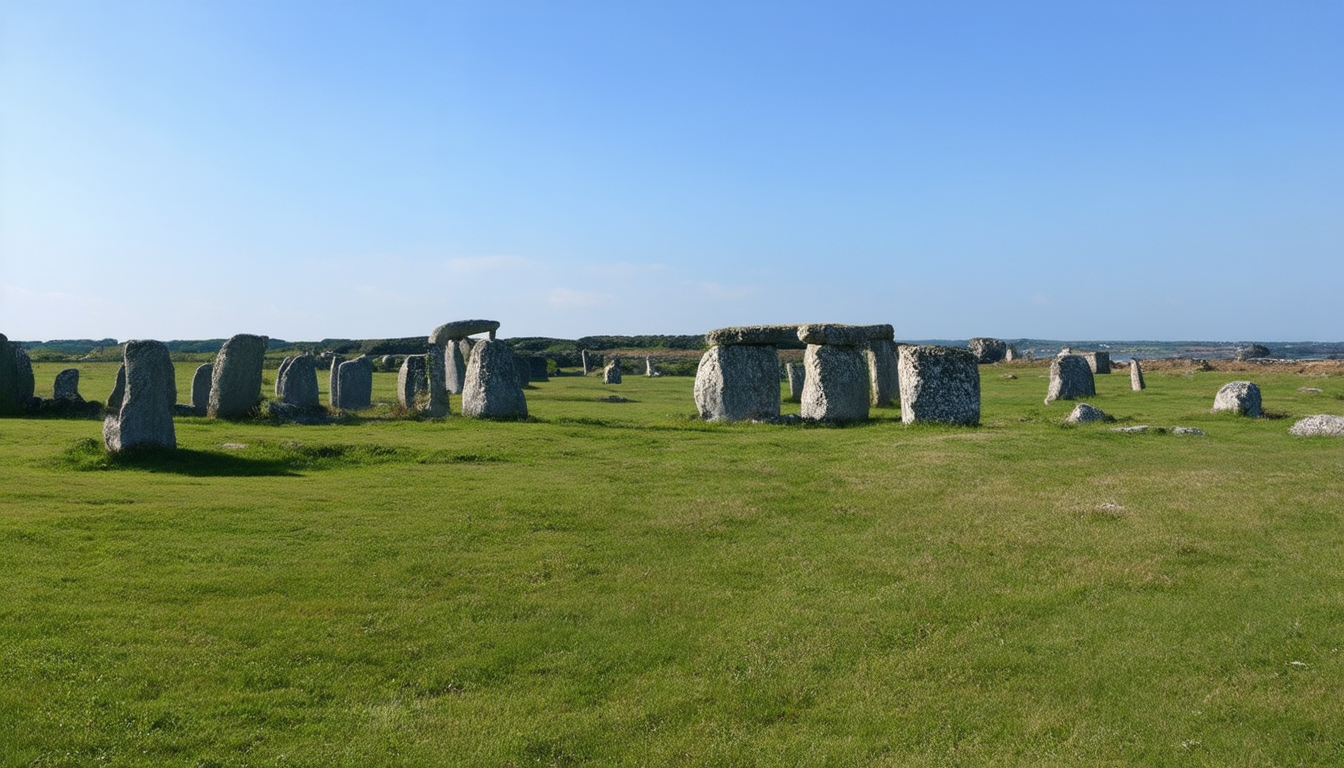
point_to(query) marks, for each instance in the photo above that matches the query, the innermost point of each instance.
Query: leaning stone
(298, 382)
(280, 372)
(334, 379)
(66, 386)
(769, 335)
(883, 379)
(987, 350)
(491, 390)
(738, 383)
(836, 383)
(1320, 425)
(140, 411)
(844, 335)
(9, 377)
(1135, 375)
(413, 383)
(355, 389)
(200, 389)
(1240, 397)
(1084, 413)
(461, 329)
(235, 381)
(612, 373)
(939, 384)
(1099, 362)
(796, 374)
(1070, 379)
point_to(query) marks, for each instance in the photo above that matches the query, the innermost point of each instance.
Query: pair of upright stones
(485, 373)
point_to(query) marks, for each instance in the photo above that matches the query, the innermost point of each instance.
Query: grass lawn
(621, 584)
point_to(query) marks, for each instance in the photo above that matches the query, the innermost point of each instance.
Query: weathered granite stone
(649, 370)
(1099, 362)
(1070, 379)
(413, 383)
(280, 372)
(1252, 352)
(1083, 413)
(987, 350)
(26, 385)
(491, 390)
(1186, 431)
(235, 380)
(334, 380)
(768, 335)
(524, 370)
(454, 355)
(1136, 375)
(9, 377)
(835, 387)
(1322, 425)
(1009, 355)
(355, 390)
(884, 381)
(844, 335)
(437, 402)
(1240, 397)
(298, 382)
(939, 384)
(200, 388)
(738, 383)
(461, 329)
(583, 360)
(612, 373)
(796, 374)
(539, 371)
(66, 386)
(140, 410)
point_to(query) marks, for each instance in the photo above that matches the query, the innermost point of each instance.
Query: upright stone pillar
(612, 373)
(356, 384)
(334, 380)
(297, 382)
(939, 384)
(491, 390)
(140, 410)
(1070, 379)
(413, 383)
(1135, 376)
(449, 341)
(836, 383)
(235, 380)
(883, 378)
(797, 375)
(9, 377)
(738, 376)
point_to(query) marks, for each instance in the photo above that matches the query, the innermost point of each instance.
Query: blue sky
(1070, 170)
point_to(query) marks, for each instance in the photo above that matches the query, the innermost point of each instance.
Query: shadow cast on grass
(88, 455)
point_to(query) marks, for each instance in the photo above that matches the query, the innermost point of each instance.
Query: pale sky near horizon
(305, 170)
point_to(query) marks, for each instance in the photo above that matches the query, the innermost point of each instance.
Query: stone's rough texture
(1070, 379)
(334, 379)
(26, 385)
(835, 387)
(738, 383)
(297, 382)
(140, 411)
(1324, 425)
(235, 381)
(1241, 397)
(988, 350)
(461, 329)
(1099, 362)
(1252, 352)
(649, 370)
(66, 386)
(844, 335)
(796, 374)
(455, 366)
(939, 384)
(1186, 431)
(200, 388)
(883, 380)
(539, 371)
(612, 373)
(1084, 413)
(436, 397)
(767, 335)
(1136, 376)
(280, 372)
(355, 390)
(9, 377)
(583, 359)
(413, 383)
(524, 369)
(491, 390)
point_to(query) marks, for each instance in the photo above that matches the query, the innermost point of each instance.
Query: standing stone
(648, 367)
(455, 366)
(988, 350)
(939, 384)
(437, 405)
(583, 360)
(66, 386)
(9, 377)
(491, 390)
(1070, 379)
(298, 382)
(200, 389)
(235, 381)
(738, 383)
(1240, 397)
(1253, 352)
(355, 389)
(524, 371)
(1135, 375)
(883, 378)
(796, 373)
(539, 368)
(1009, 355)
(835, 387)
(388, 362)
(140, 410)
(27, 385)
(334, 380)
(413, 383)
(612, 373)
(280, 372)
(1098, 362)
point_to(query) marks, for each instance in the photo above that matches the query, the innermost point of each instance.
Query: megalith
(280, 372)
(437, 404)
(738, 382)
(1239, 397)
(448, 340)
(1070, 379)
(987, 350)
(235, 380)
(413, 383)
(649, 370)
(1135, 375)
(9, 377)
(1098, 362)
(66, 386)
(200, 388)
(796, 374)
(583, 361)
(26, 384)
(539, 371)
(883, 379)
(297, 382)
(491, 389)
(939, 384)
(355, 384)
(140, 410)
(334, 379)
(836, 382)
(612, 373)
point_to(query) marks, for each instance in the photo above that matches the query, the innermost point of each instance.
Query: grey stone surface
(583, 360)
(413, 383)
(1322, 425)
(1186, 431)
(835, 387)
(539, 371)
(235, 381)
(437, 403)
(491, 390)
(200, 388)
(388, 362)
(768, 335)
(1084, 413)
(9, 377)
(355, 390)
(1070, 379)
(1099, 362)
(796, 374)
(26, 385)
(524, 370)
(987, 350)
(140, 411)
(334, 379)
(1009, 355)
(455, 355)
(1252, 352)
(297, 382)
(844, 335)
(940, 384)
(612, 373)
(280, 372)
(1136, 376)
(884, 381)
(738, 383)
(66, 386)
(1240, 397)
(649, 370)
(461, 329)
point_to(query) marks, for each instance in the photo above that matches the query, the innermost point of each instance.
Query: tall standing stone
(140, 411)
(583, 360)
(796, 374)
(66, 386)
(1135, 375)
(1099, 362)
(9, 377)
(27, 385)
(235, 381)
(413, 383)
(437, 403)
(491, 390)
(835, 387)
(297, 383)
(355, 389)
(738, 383)
(612, 373)
(883, 378)
(1240, 397)
(280, 372)
(334, 380)
(648, 367)
(200, 388)
(1070, 379)
(939, 384)
(454, 367)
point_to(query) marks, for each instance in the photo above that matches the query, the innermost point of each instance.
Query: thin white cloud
(568, 298)
(496, 263)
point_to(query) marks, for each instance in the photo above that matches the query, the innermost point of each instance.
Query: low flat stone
(844, 335)
(753, 335)
(461, 329)
(1137, 429)
(1193, 431)
(1085, 413)
(1320, 425)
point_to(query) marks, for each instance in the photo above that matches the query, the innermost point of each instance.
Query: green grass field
(621, 584)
